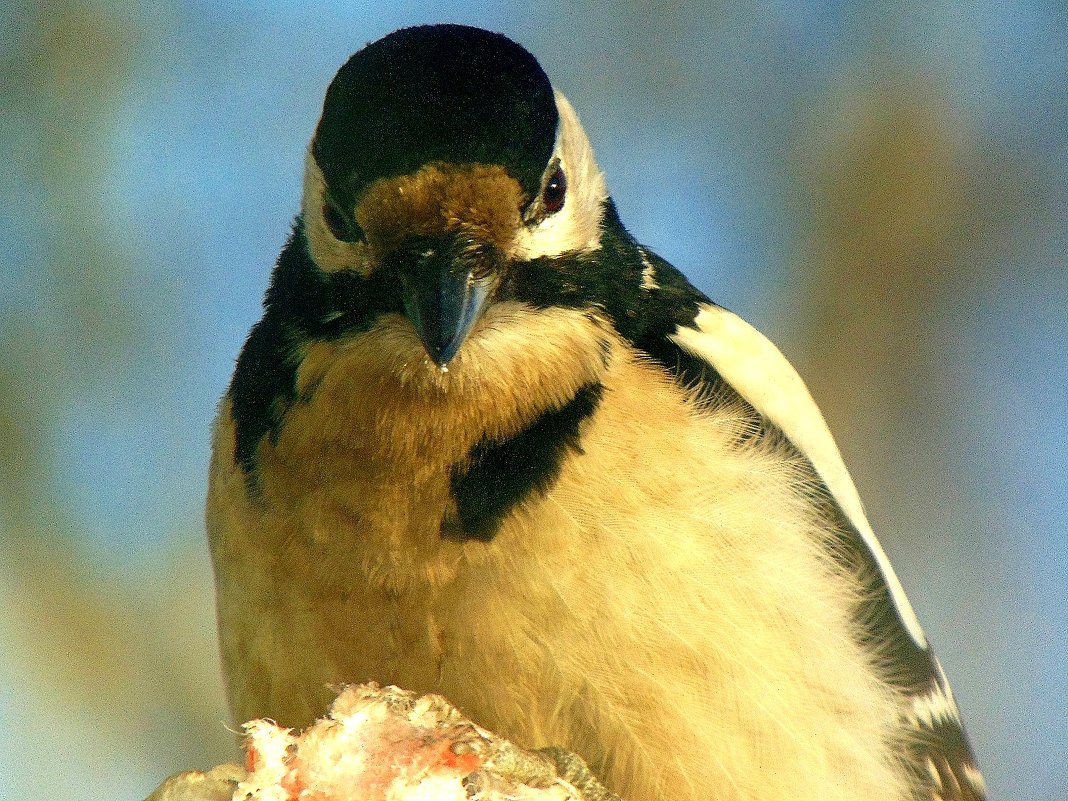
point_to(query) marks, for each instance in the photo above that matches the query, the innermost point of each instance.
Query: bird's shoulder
(725, 360)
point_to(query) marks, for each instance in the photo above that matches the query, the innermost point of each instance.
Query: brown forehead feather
(483, 201)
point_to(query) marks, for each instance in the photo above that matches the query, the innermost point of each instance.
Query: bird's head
(443, 163)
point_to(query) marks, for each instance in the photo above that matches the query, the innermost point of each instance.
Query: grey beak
(445, 285)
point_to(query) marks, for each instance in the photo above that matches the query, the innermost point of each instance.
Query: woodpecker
(485, 444)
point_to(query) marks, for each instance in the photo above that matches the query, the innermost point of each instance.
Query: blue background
(882, 189)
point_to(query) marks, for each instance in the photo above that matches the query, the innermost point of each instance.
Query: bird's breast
(386, 463)
(673, 558)
(333, 565)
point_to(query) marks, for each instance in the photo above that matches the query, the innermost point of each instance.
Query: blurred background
(881, 188)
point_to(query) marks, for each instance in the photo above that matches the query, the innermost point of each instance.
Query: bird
(484, 443)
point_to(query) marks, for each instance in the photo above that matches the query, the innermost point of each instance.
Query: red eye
(552, 197)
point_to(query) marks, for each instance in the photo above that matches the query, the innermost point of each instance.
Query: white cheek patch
(328, 252)
(577, 226)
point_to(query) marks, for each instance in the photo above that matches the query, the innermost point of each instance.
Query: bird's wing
(724, 357)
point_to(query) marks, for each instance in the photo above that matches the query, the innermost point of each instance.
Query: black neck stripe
(302, 304)
(500, 475)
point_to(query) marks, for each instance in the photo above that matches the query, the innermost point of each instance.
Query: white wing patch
(756, 369)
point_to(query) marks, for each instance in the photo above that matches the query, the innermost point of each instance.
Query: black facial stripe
(502, 474)
(261, 387)
(569, 282)
(302, 304)
(607, 279)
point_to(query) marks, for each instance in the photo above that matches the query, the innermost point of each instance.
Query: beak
(446, 282)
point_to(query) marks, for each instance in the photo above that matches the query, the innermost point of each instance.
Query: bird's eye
(339, 227)
(552, 196)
